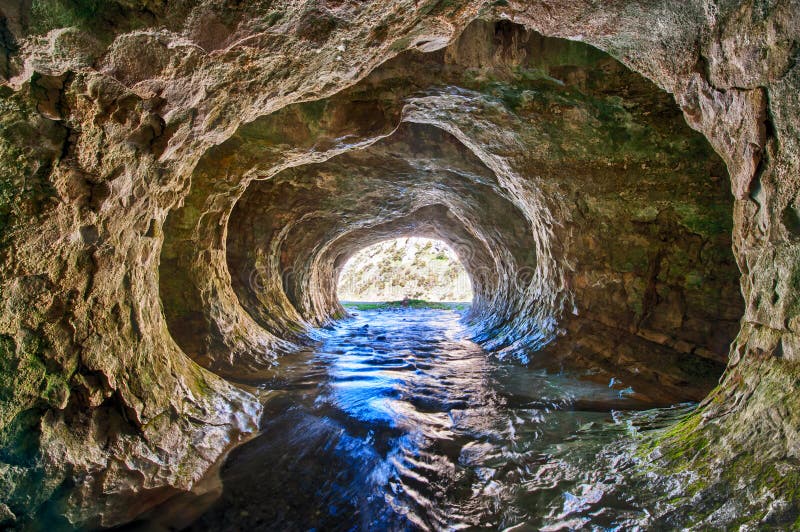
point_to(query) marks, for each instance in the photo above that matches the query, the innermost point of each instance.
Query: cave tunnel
(185, 185)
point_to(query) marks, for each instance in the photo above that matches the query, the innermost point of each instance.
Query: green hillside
(416, 268)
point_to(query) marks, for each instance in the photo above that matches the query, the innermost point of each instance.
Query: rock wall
(147, 149)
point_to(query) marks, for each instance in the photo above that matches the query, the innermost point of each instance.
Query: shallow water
(398, 422)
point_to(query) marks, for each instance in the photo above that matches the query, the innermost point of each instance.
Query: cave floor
(396, 421)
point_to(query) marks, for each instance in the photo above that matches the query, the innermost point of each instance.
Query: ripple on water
(397, 421)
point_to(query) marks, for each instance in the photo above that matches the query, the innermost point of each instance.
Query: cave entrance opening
(408, 271)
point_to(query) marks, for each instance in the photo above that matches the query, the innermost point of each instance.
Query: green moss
(26, 389)
(793, 308)
(203, 387)
(434, 7)
(25, 162)
(103, 19)
(55, 390)
(708, 221)
(511, 97)
(25, 382)
(314, 111)
(19, 439)
(50, 14)
(629, 257)
(562, 52)
(411, 303)
(734, 453)
(19, 379)
(400, 44)
(680, 433)
(274, 17)
(694, 279)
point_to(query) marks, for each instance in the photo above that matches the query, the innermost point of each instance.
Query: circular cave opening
(594, 223)
(559, 193)
(409, 271)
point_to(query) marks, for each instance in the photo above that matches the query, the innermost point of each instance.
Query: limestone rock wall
(140, 139)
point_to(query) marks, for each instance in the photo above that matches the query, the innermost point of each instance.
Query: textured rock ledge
(135, 134)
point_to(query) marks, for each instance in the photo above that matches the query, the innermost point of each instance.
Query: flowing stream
(397, 421)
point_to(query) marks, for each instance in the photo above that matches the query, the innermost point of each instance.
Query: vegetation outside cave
(412, 271)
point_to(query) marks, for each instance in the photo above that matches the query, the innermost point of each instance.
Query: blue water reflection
(397, 421)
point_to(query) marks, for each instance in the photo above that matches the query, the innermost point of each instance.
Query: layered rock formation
(165, 166)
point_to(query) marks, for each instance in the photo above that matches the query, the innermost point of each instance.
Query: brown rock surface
(164, 167)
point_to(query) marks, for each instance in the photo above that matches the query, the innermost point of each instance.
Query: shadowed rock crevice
(163, 168)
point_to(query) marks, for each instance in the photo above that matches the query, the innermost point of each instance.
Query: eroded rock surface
(157, 158)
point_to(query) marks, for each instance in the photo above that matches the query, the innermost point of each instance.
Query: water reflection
(398, 422)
